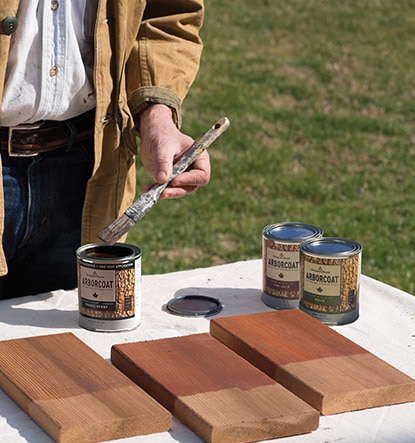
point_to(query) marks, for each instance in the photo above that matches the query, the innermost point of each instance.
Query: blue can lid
(292, 232)
(331, 246)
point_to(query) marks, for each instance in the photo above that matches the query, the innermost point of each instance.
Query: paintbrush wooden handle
(143, 204)
(198, 147)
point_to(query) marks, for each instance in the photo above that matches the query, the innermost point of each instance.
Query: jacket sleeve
(166, 56)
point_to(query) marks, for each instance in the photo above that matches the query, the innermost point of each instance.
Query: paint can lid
(331, 246)
(194, 305)
(292, 232)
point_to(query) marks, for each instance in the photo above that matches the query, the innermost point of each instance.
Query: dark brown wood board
(211, 389)
(73, 393)
(324, 368)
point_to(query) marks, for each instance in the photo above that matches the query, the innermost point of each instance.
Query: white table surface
(385, 327)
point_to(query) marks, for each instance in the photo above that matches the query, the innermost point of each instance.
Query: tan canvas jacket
(145, 51)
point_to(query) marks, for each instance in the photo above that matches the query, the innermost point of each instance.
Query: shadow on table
(13, 312)
(235, 301)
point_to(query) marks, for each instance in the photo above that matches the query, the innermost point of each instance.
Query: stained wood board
(215, 392)
(324, 368)
(73, 393)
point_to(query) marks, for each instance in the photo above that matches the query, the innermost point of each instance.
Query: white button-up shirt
(50, 66)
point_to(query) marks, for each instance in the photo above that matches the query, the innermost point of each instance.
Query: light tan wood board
(216, 393)
(73, 393)
(324, 368)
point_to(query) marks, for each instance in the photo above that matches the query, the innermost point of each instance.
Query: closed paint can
(330, 279)
(281, 262)
(109, 287)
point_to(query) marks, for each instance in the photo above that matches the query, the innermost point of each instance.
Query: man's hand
(162, 144)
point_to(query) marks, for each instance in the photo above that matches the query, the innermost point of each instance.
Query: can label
(109, 291)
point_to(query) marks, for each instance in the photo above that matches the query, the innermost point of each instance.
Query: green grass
(321, 99)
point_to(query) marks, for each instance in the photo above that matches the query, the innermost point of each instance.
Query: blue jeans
(43, 197)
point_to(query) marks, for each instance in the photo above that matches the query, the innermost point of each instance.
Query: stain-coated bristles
(112, 233)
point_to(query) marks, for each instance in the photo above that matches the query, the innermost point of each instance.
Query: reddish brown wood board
(73, 393)
(324, 368)
(215, 392)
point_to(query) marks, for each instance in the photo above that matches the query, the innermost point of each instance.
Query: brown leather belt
(33, 139)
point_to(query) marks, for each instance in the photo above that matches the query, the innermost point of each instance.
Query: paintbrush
(113, 232)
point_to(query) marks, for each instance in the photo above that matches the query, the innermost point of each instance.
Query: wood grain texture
(73, 393)
(212, 390)
(324, 368)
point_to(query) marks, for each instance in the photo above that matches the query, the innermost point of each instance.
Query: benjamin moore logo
(320, 270)
(95, 275)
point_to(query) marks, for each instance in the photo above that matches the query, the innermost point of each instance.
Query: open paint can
(109, 287)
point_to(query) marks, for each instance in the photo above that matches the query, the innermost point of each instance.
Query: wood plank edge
(368, 399)
(266, 429)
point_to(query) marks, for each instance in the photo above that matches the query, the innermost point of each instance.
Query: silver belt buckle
(9, 140)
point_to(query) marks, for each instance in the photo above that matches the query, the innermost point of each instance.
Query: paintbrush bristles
(112, 233)
(106, 236)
